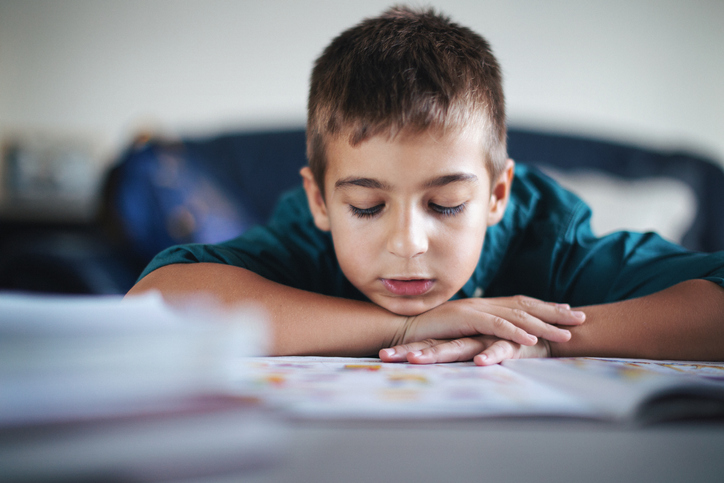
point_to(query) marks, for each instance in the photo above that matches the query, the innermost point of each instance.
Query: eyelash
(448, 210)
(442, 210)
(365, 212)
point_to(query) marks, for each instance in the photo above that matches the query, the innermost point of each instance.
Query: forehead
(406, 157)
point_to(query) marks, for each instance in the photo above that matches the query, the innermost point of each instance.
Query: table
(498, 451)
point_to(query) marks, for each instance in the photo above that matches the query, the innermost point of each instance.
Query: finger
(550, 312)
(533, 325)
(535, 316)
(496, 353)
(503, 328)
(399, 353)
(455, 350)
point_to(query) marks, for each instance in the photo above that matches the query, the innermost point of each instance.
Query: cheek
(462, 244)
(465, 246)
(353, 246)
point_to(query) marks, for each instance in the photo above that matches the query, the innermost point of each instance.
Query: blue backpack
(202, 191)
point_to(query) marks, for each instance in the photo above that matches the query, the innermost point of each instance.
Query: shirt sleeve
(289, 250)
(623, 265)
(549, 251)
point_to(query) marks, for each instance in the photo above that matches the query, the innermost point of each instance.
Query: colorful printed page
(332, 388)
(326, 387)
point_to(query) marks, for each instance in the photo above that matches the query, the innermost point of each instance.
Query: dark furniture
(208, 189)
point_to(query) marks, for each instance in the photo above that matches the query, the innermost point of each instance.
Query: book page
(710, 370)
(628, 389)
(354, 388)
(328, 387)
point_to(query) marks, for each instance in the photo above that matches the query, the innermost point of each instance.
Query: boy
(410, 214)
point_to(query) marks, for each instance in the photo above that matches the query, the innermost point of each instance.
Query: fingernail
(389, 352)
(565, 306)
(533, 338)
(480, 359)
(579, 315)
(415, 353)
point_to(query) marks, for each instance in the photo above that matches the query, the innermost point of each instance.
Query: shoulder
(288, 249)
(538, 199)
(539, 211)
(519, 250)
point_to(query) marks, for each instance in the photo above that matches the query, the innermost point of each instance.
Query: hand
(518, 319)
(484, 350)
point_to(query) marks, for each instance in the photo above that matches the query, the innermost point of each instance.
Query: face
(408, 216)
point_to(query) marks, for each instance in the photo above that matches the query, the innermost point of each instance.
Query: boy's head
(408, 165)
(405, 71)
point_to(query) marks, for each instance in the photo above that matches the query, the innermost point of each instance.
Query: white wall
(648, 71)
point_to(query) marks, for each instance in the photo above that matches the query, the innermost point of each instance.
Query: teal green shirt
(543, 247)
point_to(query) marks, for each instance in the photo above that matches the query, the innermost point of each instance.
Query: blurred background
(81, 79)
(650, 71)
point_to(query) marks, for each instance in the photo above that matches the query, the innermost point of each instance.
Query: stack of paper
(70, 358)
(105, 389)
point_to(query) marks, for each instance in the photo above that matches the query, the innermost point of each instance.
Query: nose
(407, 235)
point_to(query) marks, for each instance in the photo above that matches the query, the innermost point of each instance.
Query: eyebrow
(451, 178)
(363, 182)
(433, 183)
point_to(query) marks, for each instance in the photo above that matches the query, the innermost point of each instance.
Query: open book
(88, 358)
(640, 391)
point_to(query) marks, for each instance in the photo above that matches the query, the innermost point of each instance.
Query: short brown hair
(406, 70)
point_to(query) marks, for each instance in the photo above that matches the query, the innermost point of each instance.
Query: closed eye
(366, 212)
(447, 210)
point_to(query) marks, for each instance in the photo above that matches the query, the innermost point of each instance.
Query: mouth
(407, 287)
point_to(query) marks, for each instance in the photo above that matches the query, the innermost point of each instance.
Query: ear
(315, 200)
(500, 193)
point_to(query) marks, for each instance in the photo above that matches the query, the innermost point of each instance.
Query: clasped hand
(486, 330)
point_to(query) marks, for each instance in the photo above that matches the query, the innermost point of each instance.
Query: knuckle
(562, 313)
(434, 350)
(523, 301)
(494, 350)
(562, 310)
(499, 323)
(502, 348)
(457, 344)
(499, 352)
(520, 314)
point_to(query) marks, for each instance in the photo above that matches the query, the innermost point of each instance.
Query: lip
(407, 287)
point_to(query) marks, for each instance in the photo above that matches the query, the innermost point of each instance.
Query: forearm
(301, 322)
(683, 322)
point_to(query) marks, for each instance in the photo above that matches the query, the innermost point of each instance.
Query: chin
(407, 307)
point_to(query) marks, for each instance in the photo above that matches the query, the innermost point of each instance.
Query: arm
(309, 323)
(301, 322)
(683, 322)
